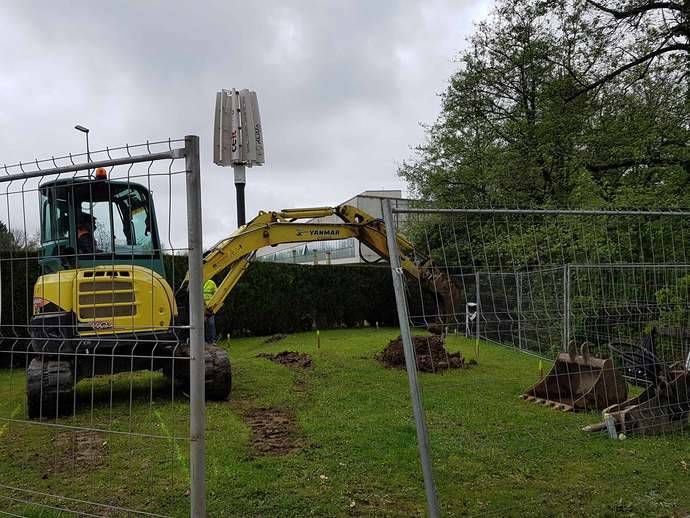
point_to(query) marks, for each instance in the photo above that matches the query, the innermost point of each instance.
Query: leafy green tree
(7, 239)
(533, 118)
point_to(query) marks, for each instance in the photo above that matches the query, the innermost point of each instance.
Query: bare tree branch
(629, 65)
(619, 15)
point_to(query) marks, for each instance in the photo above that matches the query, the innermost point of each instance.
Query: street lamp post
(86, 132)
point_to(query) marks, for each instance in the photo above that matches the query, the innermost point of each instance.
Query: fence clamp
(399, 271)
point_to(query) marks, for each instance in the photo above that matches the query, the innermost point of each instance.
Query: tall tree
(511, 131)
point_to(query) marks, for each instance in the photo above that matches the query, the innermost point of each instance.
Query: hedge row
(270, 298)
(18, 273)
(284, 298)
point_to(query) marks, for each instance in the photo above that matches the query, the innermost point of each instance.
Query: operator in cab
(86, 243)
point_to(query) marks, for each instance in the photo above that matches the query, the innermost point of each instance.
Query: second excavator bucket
(579, 382)
(662, 407)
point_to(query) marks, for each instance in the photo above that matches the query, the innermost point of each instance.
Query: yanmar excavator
(110, 309)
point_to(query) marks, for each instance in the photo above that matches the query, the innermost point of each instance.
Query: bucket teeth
(557, 405)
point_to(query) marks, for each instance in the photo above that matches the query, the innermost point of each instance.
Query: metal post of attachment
(196, 330)
(410, 362)
(478, 296)
(240, 181)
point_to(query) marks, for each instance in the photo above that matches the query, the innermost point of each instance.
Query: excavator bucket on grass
(579, 382)
(662, 407)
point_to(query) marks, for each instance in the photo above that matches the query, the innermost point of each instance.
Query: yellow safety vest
(209, 290)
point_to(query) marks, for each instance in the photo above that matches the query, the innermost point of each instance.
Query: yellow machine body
(108, 299)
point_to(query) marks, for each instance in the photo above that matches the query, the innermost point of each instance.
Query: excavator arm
(232, 256)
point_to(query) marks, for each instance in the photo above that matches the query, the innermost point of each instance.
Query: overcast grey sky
(342, 85)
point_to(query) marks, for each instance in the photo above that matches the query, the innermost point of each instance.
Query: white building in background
(344, 251)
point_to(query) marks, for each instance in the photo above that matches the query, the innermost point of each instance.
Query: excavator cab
(116, 217)
(102, 304)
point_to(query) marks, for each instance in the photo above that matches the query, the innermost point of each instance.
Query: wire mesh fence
(95, 332)
(603, 303)
(584, 314)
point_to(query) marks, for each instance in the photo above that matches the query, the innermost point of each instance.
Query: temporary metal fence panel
(583, 312)
(95, 415)
(538, 311)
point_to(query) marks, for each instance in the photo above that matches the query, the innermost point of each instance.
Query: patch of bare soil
(289, 358)
(435, 329)
(430, 351)
(274, 432)
(80, 449)
(275, 338)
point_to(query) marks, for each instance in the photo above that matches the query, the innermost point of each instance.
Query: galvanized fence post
(196, 330)
(410, 361)
(518, 289)
(566, 306)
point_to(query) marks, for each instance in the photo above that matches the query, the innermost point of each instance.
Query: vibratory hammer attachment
(579, 382)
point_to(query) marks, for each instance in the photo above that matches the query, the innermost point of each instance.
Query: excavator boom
(232, 256)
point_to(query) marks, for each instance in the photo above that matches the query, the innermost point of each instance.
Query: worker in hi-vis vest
(210, 321)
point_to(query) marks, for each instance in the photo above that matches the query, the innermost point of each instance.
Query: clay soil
(431, 355)
(289, 358)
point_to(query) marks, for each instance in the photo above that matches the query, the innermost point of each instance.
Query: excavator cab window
(88, 223)
(54, 217)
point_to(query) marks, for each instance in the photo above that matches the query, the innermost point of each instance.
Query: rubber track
(218, 373)
(49, 388)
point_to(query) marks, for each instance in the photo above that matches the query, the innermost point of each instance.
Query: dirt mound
(275, 338)
(289, 358)
(431, 354)
(273, 431)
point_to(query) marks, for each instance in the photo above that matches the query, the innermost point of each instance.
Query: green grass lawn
(493, 453)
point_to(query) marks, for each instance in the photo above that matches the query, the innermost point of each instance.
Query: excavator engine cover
(579, 382)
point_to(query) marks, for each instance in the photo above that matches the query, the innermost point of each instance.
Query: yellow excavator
(105, 306)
